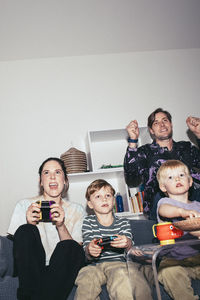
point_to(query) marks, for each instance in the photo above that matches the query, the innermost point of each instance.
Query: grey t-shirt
(184, 251)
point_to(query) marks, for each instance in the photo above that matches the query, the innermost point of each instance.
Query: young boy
(107, 265)
(181, 263)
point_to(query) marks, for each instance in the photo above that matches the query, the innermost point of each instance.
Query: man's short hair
(152, 116)
(96, 185)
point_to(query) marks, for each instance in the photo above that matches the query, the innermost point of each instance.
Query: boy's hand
(93, 249)
(121, 241)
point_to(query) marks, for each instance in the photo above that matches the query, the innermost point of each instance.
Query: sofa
(142, 233)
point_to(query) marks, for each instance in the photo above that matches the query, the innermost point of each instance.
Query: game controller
(103, 242)
(45, 211)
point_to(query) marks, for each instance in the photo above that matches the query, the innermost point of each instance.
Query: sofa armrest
(6, 257)
(8, 288)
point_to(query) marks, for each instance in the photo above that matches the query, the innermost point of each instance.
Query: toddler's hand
(188, 214)
(137, 252)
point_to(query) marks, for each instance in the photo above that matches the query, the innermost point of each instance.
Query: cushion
(142, 231)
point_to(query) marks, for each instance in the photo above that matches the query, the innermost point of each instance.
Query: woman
(47, 254)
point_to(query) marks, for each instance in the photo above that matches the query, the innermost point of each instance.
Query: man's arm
(134, 162)
(131, 174)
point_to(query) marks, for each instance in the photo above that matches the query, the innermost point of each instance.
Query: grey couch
(142, 232)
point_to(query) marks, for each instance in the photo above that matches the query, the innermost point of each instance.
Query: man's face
(161, 127)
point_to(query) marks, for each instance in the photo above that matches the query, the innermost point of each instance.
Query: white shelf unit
(105, 147)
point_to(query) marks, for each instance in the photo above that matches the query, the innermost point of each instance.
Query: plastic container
(119, 201)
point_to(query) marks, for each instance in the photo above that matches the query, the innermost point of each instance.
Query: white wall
(47, 105)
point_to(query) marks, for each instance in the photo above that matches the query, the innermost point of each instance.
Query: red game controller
(102, 242)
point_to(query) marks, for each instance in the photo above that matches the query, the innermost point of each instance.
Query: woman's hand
(122, 241)
(93, 249)
(33, 214)
(58, 214)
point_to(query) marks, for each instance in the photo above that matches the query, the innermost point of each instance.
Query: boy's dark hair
(152, 116)
(96, 185)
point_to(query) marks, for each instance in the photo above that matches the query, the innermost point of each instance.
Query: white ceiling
(53, 28)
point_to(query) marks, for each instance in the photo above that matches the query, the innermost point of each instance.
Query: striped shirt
(92, 229)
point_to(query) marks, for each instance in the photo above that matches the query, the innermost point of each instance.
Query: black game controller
(105, 242)
(45, 211)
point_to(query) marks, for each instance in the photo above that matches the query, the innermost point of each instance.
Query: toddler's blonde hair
(170, 164)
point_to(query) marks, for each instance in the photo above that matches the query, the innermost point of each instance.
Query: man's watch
(132, 140)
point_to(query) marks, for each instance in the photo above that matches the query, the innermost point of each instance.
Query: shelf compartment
(108, 147)
(79, 182)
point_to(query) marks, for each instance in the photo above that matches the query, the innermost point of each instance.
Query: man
(141, 164)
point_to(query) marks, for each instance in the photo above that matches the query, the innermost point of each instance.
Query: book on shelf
(136, 200)
(134, 203)
(139, 197)
(115, 206)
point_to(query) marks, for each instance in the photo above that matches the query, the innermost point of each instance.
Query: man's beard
(163, 138)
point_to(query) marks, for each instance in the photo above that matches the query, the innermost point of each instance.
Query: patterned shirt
(92, 229)
(141, 165)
